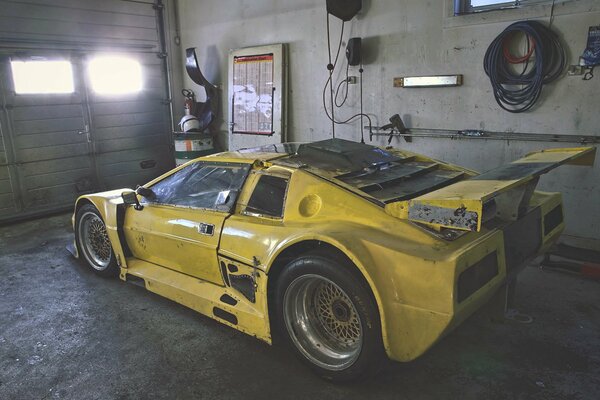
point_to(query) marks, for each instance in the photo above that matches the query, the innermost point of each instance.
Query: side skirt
(224, 304)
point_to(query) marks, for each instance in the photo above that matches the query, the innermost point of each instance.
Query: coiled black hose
(518, 92)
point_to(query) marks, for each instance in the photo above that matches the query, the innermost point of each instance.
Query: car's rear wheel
(93, 242)
(329, 318)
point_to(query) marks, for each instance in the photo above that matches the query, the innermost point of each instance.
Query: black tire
(313, 279)
(90, 227)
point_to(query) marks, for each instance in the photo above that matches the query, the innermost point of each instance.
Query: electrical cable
(329, 82)
(360, 114)
(337, 90)
(362, 133)
(551, 14)
(518, 92)
(330, 68)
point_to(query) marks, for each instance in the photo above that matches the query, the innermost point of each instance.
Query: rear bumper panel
(412, 330)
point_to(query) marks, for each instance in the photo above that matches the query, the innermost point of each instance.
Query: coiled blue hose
(518, 92)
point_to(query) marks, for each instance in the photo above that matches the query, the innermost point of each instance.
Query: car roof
(242, 156)
(332, 155)
(386, 175)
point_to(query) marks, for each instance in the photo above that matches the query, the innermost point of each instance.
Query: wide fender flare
(107, 203)
(354, 249)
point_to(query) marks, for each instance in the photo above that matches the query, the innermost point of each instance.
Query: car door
(259, 221)
(180, 224)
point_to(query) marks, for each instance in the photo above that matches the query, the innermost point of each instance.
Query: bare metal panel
(126, 168)
(7, 203)
(56, 13)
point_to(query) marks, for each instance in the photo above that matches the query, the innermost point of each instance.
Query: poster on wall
(252, 103)
(257, 96)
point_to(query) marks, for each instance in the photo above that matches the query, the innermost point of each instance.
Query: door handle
(85, 131)
(206, 229)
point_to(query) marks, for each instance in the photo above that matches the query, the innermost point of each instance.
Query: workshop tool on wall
(396, 126)
(544, 61)
(399, 129)
(205, 111)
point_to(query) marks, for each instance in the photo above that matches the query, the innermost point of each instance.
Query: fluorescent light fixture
(429, 81)
(42, 77)
(115, 75)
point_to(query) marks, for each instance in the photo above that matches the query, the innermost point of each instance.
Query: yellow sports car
(346, 252)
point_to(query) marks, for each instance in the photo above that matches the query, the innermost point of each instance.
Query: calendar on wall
(256, 96)
(253, 94)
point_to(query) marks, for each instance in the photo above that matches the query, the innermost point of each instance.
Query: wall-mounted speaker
(353, 51)
(344, 9)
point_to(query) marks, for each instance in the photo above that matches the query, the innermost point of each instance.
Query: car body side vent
(477, 275)
(552, 219)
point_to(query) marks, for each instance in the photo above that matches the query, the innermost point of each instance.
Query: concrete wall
(410, 37)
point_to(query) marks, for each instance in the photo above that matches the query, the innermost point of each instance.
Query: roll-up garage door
(108, 127)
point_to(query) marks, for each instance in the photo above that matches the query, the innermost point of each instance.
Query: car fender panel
(107, 204)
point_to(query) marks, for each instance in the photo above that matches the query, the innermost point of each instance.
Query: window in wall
(472, 6)
(115, 75)
(42, 77)
(268, 196)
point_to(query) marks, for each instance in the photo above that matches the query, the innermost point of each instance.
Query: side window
(202, 185)
(268, 197)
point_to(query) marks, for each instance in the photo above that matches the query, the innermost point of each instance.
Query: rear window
(268, 196)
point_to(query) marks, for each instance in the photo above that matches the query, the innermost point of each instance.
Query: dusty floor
(66, 333)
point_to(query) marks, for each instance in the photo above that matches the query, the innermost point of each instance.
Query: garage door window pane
(115, 75)
(40, 77)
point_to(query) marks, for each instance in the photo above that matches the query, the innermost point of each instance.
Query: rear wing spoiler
(503, 192)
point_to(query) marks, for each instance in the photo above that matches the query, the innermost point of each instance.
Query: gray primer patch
(458, 218)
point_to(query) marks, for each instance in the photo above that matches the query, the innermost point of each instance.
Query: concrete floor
(66, 333)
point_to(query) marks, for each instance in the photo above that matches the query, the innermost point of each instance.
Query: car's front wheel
(93, 242)
(329, 318)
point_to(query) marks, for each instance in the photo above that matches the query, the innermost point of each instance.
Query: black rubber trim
(224, 273)
(120, 222)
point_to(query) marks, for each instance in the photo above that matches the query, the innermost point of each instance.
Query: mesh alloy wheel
(322, 322)
(94, 241)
